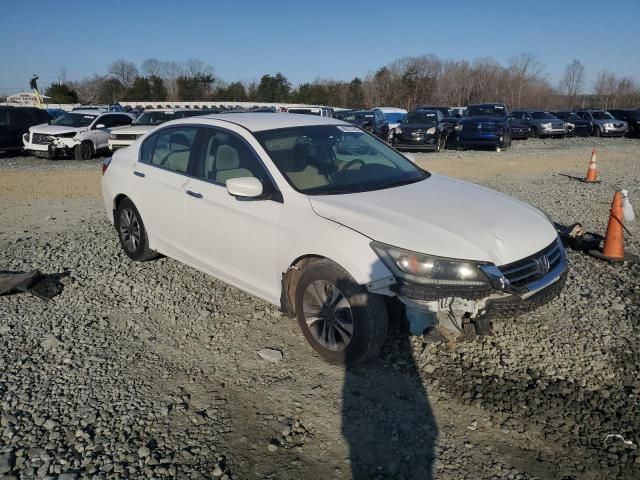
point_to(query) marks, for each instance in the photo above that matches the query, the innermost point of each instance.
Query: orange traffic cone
(592, 173)
(613, 248)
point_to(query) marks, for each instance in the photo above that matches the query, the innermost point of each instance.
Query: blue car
(485, 126)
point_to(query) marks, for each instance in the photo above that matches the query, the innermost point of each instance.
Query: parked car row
(488, 125)
(84, 131)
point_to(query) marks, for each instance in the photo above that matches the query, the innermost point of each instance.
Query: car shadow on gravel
(387, 420)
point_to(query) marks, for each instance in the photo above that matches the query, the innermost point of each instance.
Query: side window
(170, 148)
(19, 118)
(225, 155)
(517, 115)
(121, 120)
(106, 120)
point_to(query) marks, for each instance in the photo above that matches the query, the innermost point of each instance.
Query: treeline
(406, 82)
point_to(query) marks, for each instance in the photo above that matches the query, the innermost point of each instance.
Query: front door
(233, 238)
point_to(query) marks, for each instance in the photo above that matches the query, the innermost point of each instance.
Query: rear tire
(341, 321)
(131, 232)
(84, 151)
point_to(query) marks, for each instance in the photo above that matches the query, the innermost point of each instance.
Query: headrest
(227, 158)
(180, 139)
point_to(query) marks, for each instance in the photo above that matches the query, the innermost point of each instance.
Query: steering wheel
(352, 162)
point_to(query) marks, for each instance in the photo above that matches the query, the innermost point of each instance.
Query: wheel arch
(290, 280)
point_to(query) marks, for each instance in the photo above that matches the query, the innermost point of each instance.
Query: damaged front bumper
(512, 289)
(50, 145)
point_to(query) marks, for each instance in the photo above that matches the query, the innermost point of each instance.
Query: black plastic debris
(41, 285)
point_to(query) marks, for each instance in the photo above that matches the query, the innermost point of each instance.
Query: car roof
(390, 109)
(256, 122)
(87, 111)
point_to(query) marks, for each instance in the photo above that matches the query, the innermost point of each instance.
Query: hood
(445, 217)
(47, 129)
(416, 126)
(135, 129)
(483, 119)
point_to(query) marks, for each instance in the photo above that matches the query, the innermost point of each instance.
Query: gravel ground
(158, 371)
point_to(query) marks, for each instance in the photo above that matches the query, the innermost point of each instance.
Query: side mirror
(100, 125)
(246, 187)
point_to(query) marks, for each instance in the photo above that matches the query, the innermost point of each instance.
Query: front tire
(131, 232)
(84, 151)
(341, 321)
(597, 132)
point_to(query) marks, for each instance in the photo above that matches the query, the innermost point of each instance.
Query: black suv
(576, 126)
(632, 117)
(15, 122)
(450, 118)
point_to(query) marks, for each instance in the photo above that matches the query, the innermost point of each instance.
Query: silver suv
(604, 124)
(542, 124)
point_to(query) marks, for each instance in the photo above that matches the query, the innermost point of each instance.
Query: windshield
(155, 118)
(602, 116)
(486, 111)
(394, 117)
(336, 159)
(542, 115)
(357, 116)
(420, 117)
(75, 120)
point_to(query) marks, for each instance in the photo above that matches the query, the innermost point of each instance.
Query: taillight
(105, 164)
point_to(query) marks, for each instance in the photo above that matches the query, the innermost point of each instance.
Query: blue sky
(310, 39)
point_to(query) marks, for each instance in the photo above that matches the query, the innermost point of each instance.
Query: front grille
(482, 126)
(557, 125)
(40, 139)
(532, 268)
(126, 136)
(618, 125)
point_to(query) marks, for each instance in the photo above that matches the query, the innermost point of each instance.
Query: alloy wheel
(129, 229)
(328, 315)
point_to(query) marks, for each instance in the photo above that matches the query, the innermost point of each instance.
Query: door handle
(139, 174)
(194, 194)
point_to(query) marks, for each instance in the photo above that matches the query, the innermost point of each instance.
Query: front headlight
(431, 131)
(428, 269)
(112, 136)
(458, 128)
(608, 125)
(570, 125)
(399, 130)
(546, 126)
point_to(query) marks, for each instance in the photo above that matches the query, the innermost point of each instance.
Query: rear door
(233, 238)
(161, 178)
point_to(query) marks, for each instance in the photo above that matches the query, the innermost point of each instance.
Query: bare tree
(523, 67)
(195, 67)
(151, 67)
(605, 87)
(572, 81)
(123, 71)
(171, 70)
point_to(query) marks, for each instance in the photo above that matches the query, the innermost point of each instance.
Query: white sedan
(331, 224)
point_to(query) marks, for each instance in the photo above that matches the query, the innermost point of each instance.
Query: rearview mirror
(247, 187)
